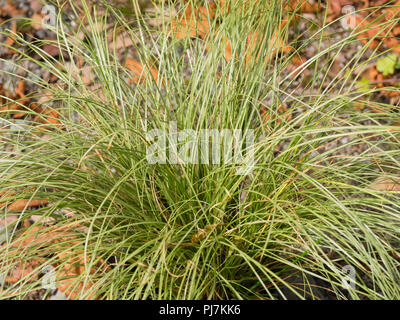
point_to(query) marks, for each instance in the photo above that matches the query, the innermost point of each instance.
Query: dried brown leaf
(386, 184)
(140, 71)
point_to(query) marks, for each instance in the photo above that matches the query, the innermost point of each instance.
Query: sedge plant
(117, 226)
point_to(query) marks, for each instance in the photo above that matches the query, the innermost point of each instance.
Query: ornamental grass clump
(321, 196)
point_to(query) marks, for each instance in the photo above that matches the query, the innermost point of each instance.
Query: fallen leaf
(371, 32)
(10, 9)
(18, 99)
(20, 204)
(294, 66)
(283, 114)
(70, 263)
(195, 22)
(24, 269)
(386, 184)
(37, 20)
(7, 220)
(10, 39)
(392, 43)
(52, 49)
(276, 45)
(335, 8)
(159, 15)
(122, 41)
(140, 71)
(71, 271)
(20, 90)
(393, 12)
(305, 6)
(387, 65)
(226, 6)
(49, 117)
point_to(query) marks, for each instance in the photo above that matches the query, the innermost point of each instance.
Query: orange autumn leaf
(20, 204)
(20, 90)
(225, 6)
(195, 22)
(49, 118)
(19, 98)
(386, 184)
(24, 269)
(276, 45)
(372, 32)
(139, 71)
(335, 8)
(10, 9)
(70, 264)
(182, 30)
(227, 48)
(37, 19)
(10, 40)
(19, 115)
(392, 43)
(283, 114)
(376, 77)
(294, 66)
(53, 116)
(29, 238)
(393, 12)
(73, 268)
(9, 106)
(305, 6)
